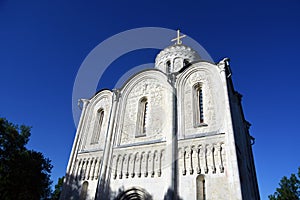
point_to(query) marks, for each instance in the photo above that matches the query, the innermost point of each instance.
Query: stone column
(213, 161)
(192, 159)
(97, 168)
(88, 171)
(205, 153)
(114, 161)
(160, 157)
(84, 168)
(220, 159)
(92, 168)
(199, 157)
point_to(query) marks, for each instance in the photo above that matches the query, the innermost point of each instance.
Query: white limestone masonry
(176, 131)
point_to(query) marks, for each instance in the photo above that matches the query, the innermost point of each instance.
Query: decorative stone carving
(87, 168)
(146, 160)
(138, 163)
(156, 112)
(201, 158)
(188, 104)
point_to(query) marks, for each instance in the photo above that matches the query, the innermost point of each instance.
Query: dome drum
(174, 58)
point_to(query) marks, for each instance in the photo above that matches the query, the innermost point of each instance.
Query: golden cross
(178, 41)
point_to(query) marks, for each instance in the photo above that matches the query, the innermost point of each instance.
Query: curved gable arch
(96, 123)
(153, 85)
(194, 121)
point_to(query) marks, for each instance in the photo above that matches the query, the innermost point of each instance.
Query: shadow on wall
(74, 189)
(137, 193)
(171, 196)
(133, 193)
(77, 190)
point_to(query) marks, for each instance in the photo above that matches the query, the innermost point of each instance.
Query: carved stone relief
(209, 102)
(157, 111)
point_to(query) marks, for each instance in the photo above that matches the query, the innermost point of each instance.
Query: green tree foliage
(24, 174)
(289, 188)
(57, 190)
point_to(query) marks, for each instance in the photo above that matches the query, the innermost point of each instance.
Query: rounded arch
(134, 193)
(200, 97)
(84, 189)
(95, 121)
(201, 188)
(100, 95)
(147, 91)
(97, 126)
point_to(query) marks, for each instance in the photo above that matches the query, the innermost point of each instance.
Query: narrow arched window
(185, 62)
(168, 67)
(142, 117)
(198, 104)
(98, 126)
(201, 190)
(84, 189)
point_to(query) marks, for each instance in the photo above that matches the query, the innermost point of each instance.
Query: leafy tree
(58, 188)
(289, 188)
(24, 174)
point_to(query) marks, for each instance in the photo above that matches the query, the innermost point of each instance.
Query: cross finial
(177, 39)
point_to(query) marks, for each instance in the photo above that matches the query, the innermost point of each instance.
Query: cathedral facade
(176, 131)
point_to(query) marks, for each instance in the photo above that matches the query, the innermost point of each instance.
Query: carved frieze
(201, 157)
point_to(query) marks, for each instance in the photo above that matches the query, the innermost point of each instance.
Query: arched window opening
(201, 190)
(198, 104)
(84, 189)
(186, 62)
(98, 126)
(168, 67)
(142, 117)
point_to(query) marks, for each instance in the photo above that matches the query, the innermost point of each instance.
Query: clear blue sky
(43, 43)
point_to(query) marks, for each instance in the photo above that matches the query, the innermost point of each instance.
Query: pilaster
(103, 183)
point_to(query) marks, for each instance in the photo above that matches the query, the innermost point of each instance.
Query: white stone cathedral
(176, 131)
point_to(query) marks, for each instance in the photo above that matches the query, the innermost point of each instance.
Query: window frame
(97, 126)
(143, 110)
(198, 105)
